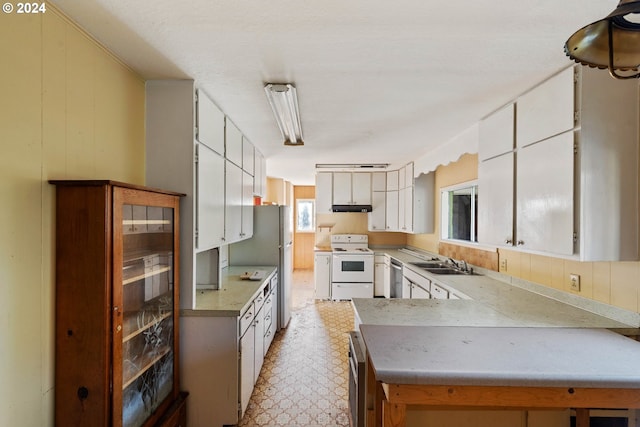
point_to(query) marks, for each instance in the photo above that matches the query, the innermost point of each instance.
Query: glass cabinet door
(144, 339)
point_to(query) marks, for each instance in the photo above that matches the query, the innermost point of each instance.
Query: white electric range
(352, 267)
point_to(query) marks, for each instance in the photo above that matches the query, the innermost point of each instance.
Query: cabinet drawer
(259, 301)
(268, 306)
(247, 319)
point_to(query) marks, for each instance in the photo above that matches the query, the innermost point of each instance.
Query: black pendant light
(612, 43)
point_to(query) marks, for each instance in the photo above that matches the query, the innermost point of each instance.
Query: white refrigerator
(271, 244)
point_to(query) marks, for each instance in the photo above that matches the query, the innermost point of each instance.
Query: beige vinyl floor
(304, 378)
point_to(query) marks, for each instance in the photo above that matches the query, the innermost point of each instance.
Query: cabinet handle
(249, 315)
(520, 242)
(509, 241)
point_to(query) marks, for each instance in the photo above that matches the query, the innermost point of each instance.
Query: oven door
(352, 268)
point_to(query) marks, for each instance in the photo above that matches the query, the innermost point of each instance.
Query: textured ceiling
(377, 81)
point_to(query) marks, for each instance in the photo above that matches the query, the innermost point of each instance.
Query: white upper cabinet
(408, 175)
(351, 188)
(392, 210)
(209, 123)
(495, 200)
(545, 195)
(259, 174)
(248, 157)
(361, 188)
(247, 206)
(233, 143)
(210, 199)
(546, 110)
(496, 133)
(324, 192)
(233, 203)
(342, 188)
(377, 216)
(576, 181)
(393, 182)
(379, 181)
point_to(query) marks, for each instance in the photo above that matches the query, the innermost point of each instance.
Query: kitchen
(66, 117)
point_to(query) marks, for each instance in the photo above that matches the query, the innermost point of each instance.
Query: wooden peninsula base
(497, 368)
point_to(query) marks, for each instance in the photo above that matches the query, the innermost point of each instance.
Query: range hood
(351, 208)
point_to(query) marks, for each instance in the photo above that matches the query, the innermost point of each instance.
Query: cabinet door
(401, 207)
(405, 210)
(247, 367)
(209, 123)
(378, 279)
(247, 206)
(418, 292)
(324, 192)
(379, 181)
(342, 188)
(392, 210)
(210, 199)
(258, 346)
(393, 181)
(361, 188)
(233, 202)
(546, 110)
(378, 212)
(259, 177)
(545, 195)
(248, 155)
(233, 142)
(387, 278)
(495, 201)
(408, 177)
(144, 317)
(322, 274)
(402, 177)
(496, 135)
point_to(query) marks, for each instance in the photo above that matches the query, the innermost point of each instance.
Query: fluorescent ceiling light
(352, 166)
(284, 103)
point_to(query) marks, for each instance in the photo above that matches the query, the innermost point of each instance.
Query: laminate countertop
(234, 296)
(514, 357)
(490, 303)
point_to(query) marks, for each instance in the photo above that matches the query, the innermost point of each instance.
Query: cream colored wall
(615, 283)
(68, 110)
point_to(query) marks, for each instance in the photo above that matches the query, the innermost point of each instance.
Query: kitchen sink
(430, 264)
(445, 270)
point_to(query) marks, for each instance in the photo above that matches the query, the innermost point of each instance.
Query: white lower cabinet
(382, 276)
(247, 368)
(221, 358)
(322, 274)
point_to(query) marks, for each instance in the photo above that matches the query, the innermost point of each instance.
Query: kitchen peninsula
(224, 340)
(499, 331)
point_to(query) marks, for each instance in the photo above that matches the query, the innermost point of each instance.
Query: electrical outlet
(574, 280)
(503, 264)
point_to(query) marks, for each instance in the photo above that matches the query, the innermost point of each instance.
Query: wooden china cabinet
(117, 290)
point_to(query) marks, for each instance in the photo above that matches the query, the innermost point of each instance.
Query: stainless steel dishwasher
(396, 278)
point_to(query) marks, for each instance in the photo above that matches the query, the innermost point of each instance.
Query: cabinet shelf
(146, 222)
(131, 372)
(159, 269)
(132, 327)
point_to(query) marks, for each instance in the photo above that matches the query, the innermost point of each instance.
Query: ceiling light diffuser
(284, 103)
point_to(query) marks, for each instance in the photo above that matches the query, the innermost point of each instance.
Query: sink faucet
(455, 264)
(465, 267)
